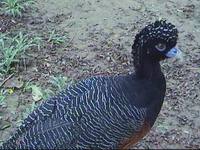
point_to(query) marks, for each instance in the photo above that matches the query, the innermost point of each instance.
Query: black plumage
(105, 111)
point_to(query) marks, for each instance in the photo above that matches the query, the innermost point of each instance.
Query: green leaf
(36, 93)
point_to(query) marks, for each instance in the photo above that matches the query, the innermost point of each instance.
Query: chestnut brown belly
(136, 137)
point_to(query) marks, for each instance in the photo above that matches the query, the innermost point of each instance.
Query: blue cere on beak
(173, 52)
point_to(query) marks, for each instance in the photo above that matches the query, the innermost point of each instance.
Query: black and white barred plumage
(80, 116)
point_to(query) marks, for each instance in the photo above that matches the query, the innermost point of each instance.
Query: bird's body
(98, 112)
(81, 117)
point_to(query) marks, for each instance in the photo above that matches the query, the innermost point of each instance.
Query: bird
(105, 111)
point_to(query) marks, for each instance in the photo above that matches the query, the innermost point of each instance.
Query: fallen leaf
(14, 83)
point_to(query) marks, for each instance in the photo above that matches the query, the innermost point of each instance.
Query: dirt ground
(99, 38)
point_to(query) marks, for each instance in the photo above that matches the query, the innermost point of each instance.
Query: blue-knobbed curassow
(105, 111)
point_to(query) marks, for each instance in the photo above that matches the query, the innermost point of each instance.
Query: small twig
(71, 40)
(4, 81)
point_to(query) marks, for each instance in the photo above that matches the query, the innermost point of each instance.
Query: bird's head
(156, 41)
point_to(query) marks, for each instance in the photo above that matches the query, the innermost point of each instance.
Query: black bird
(105, 111)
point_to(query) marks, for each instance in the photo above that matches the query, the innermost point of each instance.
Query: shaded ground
(98, 39)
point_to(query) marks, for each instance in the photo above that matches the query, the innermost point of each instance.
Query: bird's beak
(175, 52)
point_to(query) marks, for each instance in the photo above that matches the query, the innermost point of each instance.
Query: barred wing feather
(94, 113)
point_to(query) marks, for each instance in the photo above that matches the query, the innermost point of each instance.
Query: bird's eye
(160, 47)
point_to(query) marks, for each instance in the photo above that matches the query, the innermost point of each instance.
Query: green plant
(11, 48)
(39, 93)
(38, 42)
(15, 7)
(55, 38)
(60, 82)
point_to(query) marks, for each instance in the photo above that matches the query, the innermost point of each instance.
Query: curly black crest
(159, 31)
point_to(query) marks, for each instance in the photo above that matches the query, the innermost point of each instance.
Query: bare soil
(99, 38)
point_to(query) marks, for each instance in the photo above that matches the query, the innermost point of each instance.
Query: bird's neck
(151, 71)
(148, 69)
